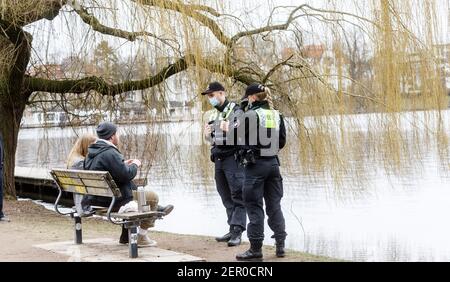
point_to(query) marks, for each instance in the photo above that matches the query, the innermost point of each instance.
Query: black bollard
(132, 235)
(78, 231)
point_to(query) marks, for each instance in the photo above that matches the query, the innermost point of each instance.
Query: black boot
(124, 236)
(236, 236)
(224, 238)
(253, 254)
(280, 249)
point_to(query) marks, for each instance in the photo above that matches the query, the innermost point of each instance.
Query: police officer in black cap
(265, 135)
(220, 132)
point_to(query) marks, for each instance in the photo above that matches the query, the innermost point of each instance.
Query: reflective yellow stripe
(216, 115)
(230, 110)
(269, 118)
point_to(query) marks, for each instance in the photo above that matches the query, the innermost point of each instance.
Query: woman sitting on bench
(91, 153)
(76, 161)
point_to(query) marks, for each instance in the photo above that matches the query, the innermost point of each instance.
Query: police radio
(213, 129)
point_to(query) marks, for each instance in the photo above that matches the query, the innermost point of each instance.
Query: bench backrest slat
(96, 183)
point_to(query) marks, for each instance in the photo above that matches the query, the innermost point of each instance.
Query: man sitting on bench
(103, 155)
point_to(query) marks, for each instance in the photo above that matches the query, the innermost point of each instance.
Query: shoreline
(32, 224)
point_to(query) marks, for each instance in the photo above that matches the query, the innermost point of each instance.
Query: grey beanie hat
(105, 130)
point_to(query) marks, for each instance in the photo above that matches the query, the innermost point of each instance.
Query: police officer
(265, 135)
(228, 173)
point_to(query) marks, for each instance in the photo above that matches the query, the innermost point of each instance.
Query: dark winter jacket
(105, 157)
(252, 115)
(223, 144)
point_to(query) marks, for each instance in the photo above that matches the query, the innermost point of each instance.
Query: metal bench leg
(133, 247)
(78, 231)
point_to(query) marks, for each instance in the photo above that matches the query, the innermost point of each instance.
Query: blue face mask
(214, 102)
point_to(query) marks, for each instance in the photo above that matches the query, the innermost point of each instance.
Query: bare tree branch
(268, 28)
(275, 68)
(99, 85)
(324, 11)
(205, 9)
(99, 27)
(191, 11)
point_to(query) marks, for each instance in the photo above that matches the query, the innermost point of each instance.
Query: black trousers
(263, 183)
(229, 180)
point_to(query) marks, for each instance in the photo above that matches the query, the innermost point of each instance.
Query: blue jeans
(1, 193)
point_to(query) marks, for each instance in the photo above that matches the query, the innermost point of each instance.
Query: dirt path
(32, 224)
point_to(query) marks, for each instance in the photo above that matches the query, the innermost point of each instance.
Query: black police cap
(254, 88)
(213, 87)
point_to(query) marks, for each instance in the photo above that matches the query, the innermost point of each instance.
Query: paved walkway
(108, 250)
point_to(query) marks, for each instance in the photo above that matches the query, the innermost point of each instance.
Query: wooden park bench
(99, 183)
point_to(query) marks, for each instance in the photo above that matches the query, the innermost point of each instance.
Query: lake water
(387, 218)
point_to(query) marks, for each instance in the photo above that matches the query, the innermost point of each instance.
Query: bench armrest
(108, 214)
(57, 201)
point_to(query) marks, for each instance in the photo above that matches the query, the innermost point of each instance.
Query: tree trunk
(10, 117)
(15, 52)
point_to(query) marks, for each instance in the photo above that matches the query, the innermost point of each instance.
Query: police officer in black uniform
(265, 135)
(228, 174)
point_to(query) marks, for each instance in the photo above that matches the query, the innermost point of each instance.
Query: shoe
(224, 238)
(236, 237)
(235, 241)
(144, 241)
(250, 255)
(166, 210)
(5, 219)
(280, 252)
(87, 213)
(123, 240)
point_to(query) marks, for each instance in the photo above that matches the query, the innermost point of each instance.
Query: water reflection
(370, 216)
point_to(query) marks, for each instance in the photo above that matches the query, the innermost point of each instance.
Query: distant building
(314, 52)
(443, 54)
(288, 52)
(413, 81)
(322, 61)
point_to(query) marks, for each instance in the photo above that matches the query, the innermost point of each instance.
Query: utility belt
(247, 157)
(221, 156)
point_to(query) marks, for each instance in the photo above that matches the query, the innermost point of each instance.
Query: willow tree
(205, 38)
